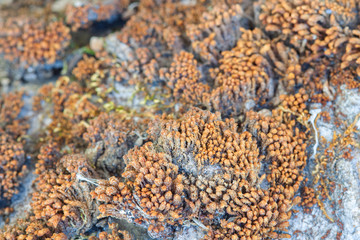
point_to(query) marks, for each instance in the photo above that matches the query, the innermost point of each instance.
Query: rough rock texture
(345, 209)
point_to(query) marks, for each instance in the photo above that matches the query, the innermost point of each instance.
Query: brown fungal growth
(71, 109)
(287, 160)
(12, 155)
(86, 67)
(341, 77)
(160, 199)
(199, 128)
(108, 128)
(202, 166)
(62, 198)
(149, 26)
(294, 106)
(349, 41)
(217, 136)
(243, 74)
(156, 190)
(113, 233)
(109, 137)
(305, 22)
(218, 30)
(48, 157)
(30, 228)
(184, 78)
(341, 145)
(31, 42)
(322, 33)
(243, 78)
(91, 73)
(308, 196)
(11, 122)
(287, 65)
(150, 38)
(82, 16)
(352, 51)
(12, 166)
